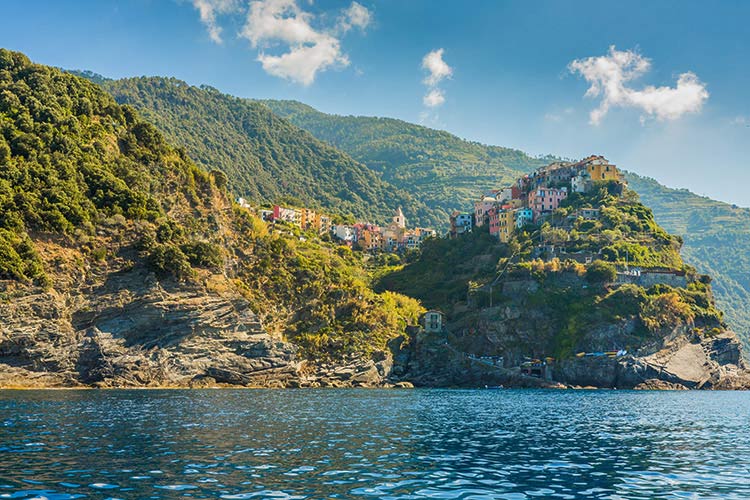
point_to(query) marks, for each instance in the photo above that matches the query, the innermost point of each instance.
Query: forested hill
(446, 172)
(118, 252)
(265, 157)
(443, 170)
(717, 242)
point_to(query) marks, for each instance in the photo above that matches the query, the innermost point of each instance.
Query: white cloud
(740, 121)
(433, 98)
(437, 68)
(356, 16)
(309, 50)
(609, 75)
(209, 9)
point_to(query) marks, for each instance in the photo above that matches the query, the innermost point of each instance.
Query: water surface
(374, 444)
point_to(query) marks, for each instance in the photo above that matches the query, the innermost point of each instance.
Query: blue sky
(503, 76)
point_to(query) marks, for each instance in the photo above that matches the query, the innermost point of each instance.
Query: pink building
(543, 201)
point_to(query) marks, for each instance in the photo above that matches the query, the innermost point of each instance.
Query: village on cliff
(529, 200)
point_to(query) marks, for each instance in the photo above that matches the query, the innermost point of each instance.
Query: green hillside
(265, 157)
(448, 172)
(439, 169)
(92, 194)
(717, 242)
(442, 170)
(558, 306)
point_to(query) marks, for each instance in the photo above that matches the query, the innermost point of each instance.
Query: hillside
(122, 263)
(265, 158)
(717, 242)
(577, 310)
(440, 169)
(448, 172)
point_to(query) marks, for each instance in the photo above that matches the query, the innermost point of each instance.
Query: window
(434, 320)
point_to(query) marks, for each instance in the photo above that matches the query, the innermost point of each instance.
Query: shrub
(666, 310)
(169, 260)
(203, 254)
(599, 272)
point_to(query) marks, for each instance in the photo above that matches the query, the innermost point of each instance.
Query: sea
(366, 443)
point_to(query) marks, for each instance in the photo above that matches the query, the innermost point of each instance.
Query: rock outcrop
(488, 346)
(124, 334)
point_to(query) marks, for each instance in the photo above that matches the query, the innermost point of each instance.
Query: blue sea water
(446, 444)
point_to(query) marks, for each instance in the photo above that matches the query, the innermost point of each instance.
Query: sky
(660, 88)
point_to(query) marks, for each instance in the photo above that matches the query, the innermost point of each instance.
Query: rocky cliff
(123, 264)
(489, 346)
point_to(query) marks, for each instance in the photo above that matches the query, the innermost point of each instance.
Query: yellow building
(371, 240)
(603, 172)
(307, 218)
(599, 168)
(506, 225)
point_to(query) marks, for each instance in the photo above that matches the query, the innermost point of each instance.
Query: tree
(600, 272)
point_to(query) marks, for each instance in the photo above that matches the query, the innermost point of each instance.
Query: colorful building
(290, 215)
(523, 216)
(543, 201)
(460, 223)
(481, 209)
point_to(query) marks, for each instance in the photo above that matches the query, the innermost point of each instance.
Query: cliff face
(123, 327)
(131, 330)
(488, 346)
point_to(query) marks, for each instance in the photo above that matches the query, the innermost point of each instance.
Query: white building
(345, 233)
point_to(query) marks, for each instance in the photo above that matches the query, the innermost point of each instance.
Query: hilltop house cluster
(395, 237)
(534, 197)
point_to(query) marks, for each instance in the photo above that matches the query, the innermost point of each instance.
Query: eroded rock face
(124, 335)
(487, 346)
(684, 360)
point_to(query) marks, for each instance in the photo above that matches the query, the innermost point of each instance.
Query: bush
(169, 260)
(203, 254)
(18, 258)
(666, 310)
(600, 272)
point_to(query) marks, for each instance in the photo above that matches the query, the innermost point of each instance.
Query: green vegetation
(263, 157)
(87, 181)
(438, 168)
(717, 242)
(600, 272)
(448, 272)
(563, 302)
(625, 232)
(319, 294)
(448, 173)
(72, 157)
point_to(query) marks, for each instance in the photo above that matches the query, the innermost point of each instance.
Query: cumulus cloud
(437, 70)
(309, 50)
(209, 10)
(356, 16)
(609, 77)
(433, 98)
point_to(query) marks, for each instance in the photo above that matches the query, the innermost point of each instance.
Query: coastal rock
(655, 384)
(131, 331)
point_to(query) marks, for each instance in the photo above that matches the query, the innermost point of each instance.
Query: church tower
(399, 218)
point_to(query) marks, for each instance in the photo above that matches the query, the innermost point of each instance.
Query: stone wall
(648, 279)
